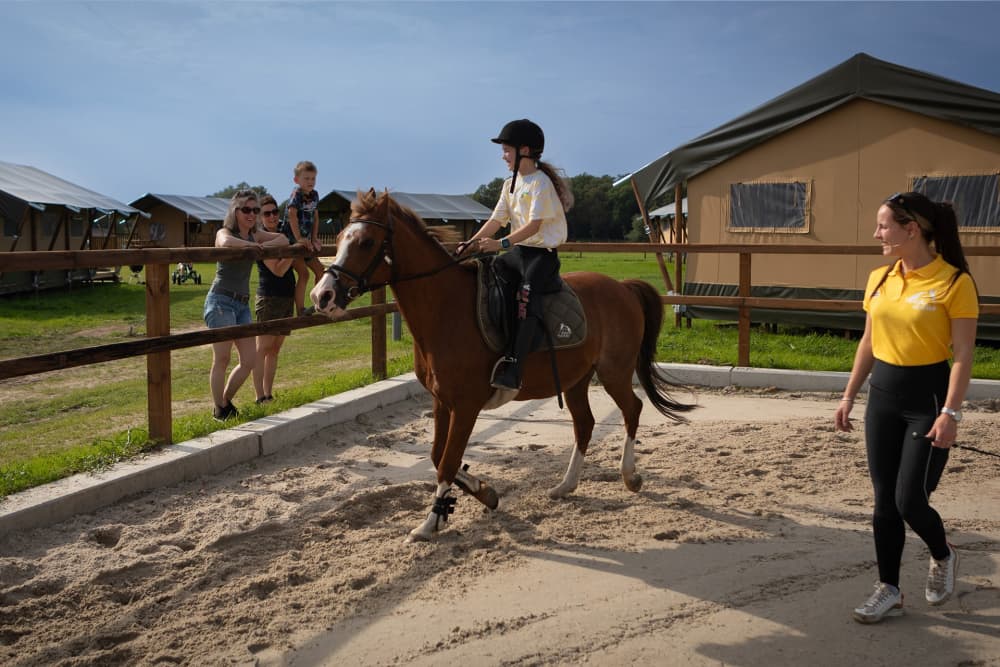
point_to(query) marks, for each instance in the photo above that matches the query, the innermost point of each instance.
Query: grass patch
(75, 420)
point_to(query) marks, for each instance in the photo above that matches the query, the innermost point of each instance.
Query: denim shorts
(224, 311)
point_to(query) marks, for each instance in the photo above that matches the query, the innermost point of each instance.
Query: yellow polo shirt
(911, 315)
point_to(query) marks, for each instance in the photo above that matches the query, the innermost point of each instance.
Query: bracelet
(845, 398)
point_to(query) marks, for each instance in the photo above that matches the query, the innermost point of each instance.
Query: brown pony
(387, 244)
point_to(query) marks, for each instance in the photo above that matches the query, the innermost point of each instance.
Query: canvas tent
(813, 165)
(177, 221)
(461, 212)
(39, 211)
(670, 210)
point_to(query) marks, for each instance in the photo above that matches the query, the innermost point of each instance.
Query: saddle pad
(563, 316)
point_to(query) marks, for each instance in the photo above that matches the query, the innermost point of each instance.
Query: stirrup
(500, 369)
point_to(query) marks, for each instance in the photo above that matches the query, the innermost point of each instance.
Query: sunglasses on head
(269, 212)
(247, 210)
(900, 200)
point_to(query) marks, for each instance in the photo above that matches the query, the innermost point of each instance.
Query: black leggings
(903, 400)
(535, 271)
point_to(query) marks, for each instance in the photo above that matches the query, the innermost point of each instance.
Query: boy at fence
(301, 226)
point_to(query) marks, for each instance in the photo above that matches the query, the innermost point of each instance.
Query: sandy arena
(749, 544)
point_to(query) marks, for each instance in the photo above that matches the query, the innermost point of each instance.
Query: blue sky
(189, 97)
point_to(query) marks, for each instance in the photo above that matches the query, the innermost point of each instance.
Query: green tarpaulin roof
(860, 77)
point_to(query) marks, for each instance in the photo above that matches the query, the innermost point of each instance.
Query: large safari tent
(813, 166)
(39, 211)
(176, 221)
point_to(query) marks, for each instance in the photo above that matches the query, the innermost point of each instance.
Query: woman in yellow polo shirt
(921, 312)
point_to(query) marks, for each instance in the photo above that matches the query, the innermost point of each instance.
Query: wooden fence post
(743, 345)
(158, 363)
(380, 366)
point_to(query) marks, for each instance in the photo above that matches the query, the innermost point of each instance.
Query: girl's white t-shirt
(534, 198)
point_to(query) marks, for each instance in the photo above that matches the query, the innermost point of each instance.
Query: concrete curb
(211, 454)
(791, 380)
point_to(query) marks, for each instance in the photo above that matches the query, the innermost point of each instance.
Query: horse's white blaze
(426, 531)
(327, 285)
(324, 286)
(572, 477)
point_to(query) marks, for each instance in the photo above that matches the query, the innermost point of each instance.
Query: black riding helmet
(519, 133)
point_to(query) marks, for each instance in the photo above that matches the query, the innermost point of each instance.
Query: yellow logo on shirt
(922, 300)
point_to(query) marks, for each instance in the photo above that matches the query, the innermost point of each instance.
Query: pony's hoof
(634, 484)
(560, 492)
(416, 536)
(488, 497)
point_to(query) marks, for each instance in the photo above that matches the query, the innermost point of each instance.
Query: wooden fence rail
(159, 342)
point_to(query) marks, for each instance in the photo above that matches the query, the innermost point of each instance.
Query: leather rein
(385, 253)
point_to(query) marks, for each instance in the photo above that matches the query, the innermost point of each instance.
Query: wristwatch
(954, 414)
(505, 243)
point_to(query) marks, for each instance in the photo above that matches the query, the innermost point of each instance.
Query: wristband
(505, 243)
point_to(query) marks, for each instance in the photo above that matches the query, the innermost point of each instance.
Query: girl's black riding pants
(904, 468)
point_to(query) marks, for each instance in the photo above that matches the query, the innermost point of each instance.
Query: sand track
(748, 545)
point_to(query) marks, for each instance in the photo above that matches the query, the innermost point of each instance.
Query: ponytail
(559, 181)
(946, 236)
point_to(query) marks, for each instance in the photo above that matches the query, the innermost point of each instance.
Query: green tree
(488, 195)
(228, 192)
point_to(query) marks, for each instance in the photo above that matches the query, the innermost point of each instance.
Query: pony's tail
(655, 383)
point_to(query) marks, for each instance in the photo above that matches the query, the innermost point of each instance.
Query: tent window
(976, 198)
(9, 226)
(769, 207)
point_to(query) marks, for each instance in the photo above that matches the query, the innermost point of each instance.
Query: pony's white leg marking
(572, 477)
(633, 482)
(425, 531)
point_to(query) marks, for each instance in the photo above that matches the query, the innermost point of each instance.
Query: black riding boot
(507, 371)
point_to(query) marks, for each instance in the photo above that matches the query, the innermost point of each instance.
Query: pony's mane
(367, 204)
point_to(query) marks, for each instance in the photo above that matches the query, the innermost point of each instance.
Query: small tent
(39, 211)
(177, 221)
(461, 212)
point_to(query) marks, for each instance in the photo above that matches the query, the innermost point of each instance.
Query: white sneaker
(885, 601)
(941, 578)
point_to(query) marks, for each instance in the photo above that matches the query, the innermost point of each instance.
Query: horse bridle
(384, 253)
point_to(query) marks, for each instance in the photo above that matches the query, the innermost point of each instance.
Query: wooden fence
(159, 342)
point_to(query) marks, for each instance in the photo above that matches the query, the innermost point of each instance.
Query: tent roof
(860, 77)
(431, 206)
(205, 209)
(22, 185)
(669, 210)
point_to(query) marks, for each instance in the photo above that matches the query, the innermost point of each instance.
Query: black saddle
(565, 323)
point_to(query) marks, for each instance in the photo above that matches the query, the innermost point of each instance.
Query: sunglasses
(247, 210)
(270, 212)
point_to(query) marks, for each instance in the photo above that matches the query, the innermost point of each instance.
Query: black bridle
(361, 284)
(383, 254)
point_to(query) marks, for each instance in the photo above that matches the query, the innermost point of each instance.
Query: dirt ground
(748, 544)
